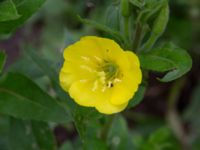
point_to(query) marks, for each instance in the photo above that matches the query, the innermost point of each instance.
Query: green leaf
(137, 3)
(150, 10)
(43, 135)
(27, 67)
(25, 9)
(22, 98)
(167, 58)
(53, 76)
(153, 61)
(115, 34)
(95, 144)
(159, 135)
(8, 11)
(159, 140)
(119, 137)
(21, 130)
(138, 97)
(4, 130)
(67, 146)
(2, 60)
(113, 17)
(33, 135)
(86, 122)
(158, 28)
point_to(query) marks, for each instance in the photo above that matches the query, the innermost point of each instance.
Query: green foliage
(8, 11)
(2, 60)
(138, 97)
(32, 135)
(86, 122)
(191, 116)
(158, 140)
(19, 11)
(32, 103)
(158, 28)
(113, 17)
(4, 131)
(48, 70)
(167, 58)
(125, 8)
(88, 126)
(67, 146)
(193, 108)
(137, 3)
(114, 34)
(119, 135)
(43, 135)
(31, 70)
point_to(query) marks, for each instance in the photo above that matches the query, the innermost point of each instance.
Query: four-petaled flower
(98, 73)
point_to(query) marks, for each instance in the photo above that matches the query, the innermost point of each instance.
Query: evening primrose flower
(98, 73)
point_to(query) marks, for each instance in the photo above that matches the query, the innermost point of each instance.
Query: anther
(110, 84)
(85, 58)
(86, 68)
(98, 59)
(83, 80)
(116, 80)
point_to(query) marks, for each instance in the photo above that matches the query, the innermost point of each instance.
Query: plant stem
(126, 27)
(137, 36)
(173, 117)
(127, 44)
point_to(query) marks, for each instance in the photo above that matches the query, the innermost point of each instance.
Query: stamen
(85, 58)
(116, 80)
(98, 59)
(83, 80)
(110, 84)
(102, 77)
(86, 68)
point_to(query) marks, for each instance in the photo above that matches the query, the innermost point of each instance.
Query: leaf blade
(8, 11)
(25, 8)
(167, 58)
(115, 34)
(22, 98)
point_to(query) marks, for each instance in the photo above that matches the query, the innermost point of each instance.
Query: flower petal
(122, 92)
(134, 67)
(86, 47)
(133, 58)
(107, 108)
(83, 93)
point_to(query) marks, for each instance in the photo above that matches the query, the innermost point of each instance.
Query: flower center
(108, 75)
(111, 70)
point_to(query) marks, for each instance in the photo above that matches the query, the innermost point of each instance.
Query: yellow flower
(98, 73)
